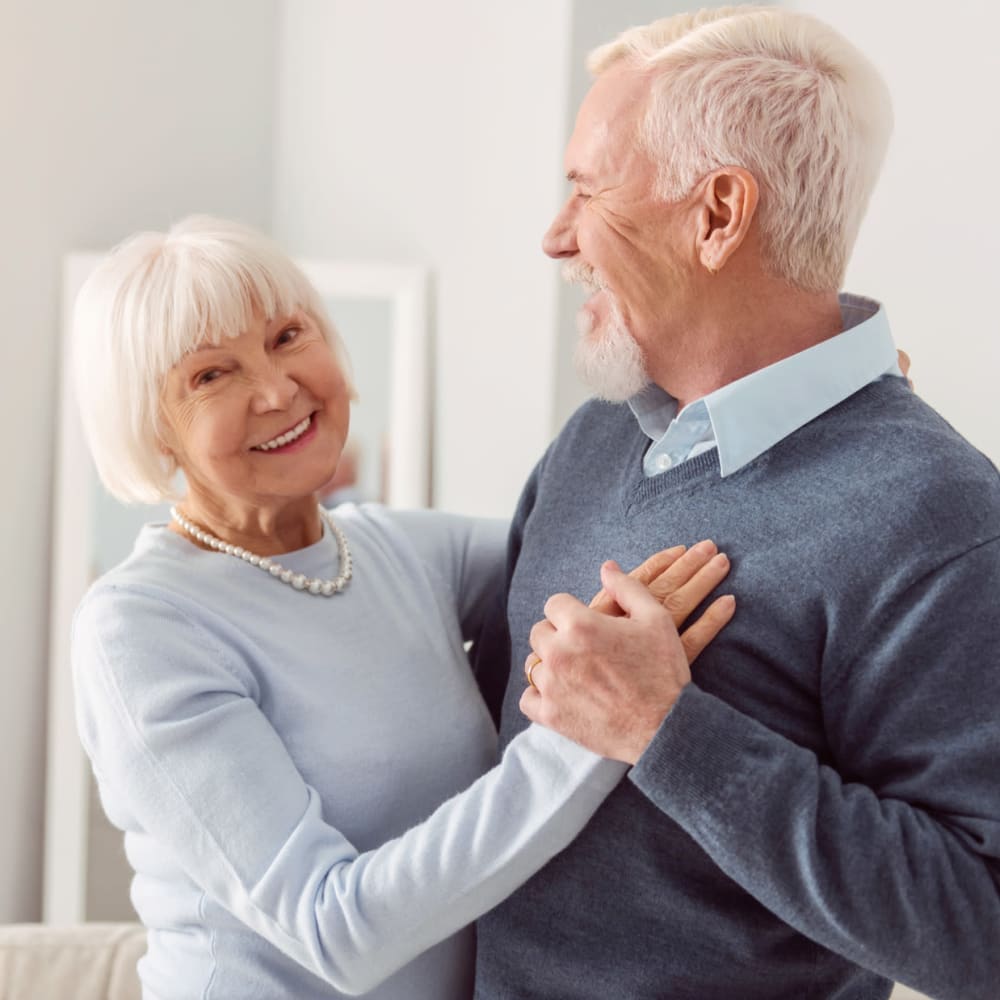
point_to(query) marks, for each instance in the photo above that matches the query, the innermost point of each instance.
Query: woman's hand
(904, 366)
(680, 579)
(608, 674)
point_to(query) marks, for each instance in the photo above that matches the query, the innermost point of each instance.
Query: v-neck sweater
(819, 813)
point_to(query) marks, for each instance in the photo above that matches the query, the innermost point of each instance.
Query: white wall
(431, 133)
(115, 115)
(929, 248)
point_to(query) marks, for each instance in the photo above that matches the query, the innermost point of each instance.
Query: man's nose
(560, 239)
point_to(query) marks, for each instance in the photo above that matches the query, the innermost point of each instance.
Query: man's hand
(607, 682)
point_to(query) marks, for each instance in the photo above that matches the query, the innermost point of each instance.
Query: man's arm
(891, 854)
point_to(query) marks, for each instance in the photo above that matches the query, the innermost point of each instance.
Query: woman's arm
(466, 555)
(180, 745)
(170, 719)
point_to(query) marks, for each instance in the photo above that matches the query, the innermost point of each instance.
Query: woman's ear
(165, 442)
(728, 205)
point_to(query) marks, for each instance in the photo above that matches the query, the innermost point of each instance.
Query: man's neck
(741, 332)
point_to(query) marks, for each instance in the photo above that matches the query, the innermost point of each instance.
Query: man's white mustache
(577, 272)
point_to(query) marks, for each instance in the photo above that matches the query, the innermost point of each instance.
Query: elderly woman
(276, 699)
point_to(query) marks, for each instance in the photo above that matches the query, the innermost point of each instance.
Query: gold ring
(529, 668)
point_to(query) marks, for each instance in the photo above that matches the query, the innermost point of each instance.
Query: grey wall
(928, 247)
(115, 115)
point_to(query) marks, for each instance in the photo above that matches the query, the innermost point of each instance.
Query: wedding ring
(529, 668)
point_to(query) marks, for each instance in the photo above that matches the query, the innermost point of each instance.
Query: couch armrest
(84, 961)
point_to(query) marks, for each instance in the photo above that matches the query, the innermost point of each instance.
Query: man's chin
(616, 393)
(608, 360)
(611, 378)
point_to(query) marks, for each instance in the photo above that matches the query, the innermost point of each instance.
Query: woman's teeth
(282, 439)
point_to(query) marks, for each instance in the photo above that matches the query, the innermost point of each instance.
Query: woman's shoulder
(430, 536)
(152, 580)
(143, 629)
(410, 522)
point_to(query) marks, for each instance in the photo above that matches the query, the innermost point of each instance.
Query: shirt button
(663, 462)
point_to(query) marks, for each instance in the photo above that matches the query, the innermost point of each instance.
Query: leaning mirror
(380, 311)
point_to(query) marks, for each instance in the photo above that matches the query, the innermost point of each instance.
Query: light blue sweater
(261, 748)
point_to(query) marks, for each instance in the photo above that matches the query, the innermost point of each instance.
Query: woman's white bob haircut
(153, 300)
(780, 94)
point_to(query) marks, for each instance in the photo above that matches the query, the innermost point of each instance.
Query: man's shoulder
(890, 426)
(887, 446)
(596, 422)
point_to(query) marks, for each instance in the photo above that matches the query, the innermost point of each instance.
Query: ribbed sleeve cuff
(696, 762)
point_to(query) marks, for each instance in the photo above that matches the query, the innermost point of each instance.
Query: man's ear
(728, 203)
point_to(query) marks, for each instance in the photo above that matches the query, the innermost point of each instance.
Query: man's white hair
(780, 94)
(153, 300)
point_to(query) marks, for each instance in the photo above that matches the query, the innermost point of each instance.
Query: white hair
(154, 299)
(780, 94)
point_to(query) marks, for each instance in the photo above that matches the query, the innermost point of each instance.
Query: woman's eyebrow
(292, 316)
(203, 348)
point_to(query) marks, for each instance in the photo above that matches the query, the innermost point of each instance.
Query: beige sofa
(93, 962)
(83, 962)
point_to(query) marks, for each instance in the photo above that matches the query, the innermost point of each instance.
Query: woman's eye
(207, 377)
(287, 335)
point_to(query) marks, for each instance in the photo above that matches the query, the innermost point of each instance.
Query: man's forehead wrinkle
(588, 153)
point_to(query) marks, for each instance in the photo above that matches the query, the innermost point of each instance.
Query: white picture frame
(401, 295)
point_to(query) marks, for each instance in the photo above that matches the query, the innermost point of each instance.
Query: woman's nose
(274, 389)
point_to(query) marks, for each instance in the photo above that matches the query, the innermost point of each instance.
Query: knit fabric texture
(299, 778)
(819, 813)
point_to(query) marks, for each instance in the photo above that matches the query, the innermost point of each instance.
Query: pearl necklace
(327, 588)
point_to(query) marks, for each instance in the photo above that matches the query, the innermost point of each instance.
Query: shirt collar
(754, 413)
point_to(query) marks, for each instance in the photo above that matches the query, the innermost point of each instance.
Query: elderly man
(814, 811)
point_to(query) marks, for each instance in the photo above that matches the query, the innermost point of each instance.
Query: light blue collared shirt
(748, 416)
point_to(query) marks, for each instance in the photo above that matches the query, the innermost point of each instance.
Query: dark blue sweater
(820, 812)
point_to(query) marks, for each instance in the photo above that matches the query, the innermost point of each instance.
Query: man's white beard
(609, 362)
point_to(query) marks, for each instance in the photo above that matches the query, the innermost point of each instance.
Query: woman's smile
(293, 439)
(276, 389)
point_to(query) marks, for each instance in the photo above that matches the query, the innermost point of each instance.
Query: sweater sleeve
(465, 553)
(491, 654)
(889, 854)
(170, 720)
